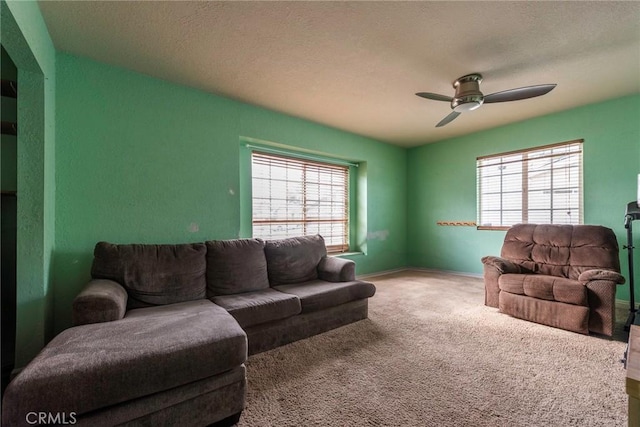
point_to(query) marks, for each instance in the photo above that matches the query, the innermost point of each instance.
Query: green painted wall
(25, 37)
(144, 160)
(442, 182)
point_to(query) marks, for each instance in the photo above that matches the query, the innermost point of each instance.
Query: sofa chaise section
(147, 347)
(151, 365)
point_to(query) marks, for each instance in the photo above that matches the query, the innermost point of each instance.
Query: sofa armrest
(601, 293)
(502, 265)
(100, 301)
(333, 269)
(598, 274)
(494, 267)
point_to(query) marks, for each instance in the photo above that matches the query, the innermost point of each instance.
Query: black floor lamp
(633, 214)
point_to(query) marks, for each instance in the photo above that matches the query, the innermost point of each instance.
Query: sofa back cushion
(153, 274)
(561, 250)
(294, 260)
(235, 266)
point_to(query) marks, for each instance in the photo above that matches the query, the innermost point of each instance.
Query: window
(296, 197)
(542, 185)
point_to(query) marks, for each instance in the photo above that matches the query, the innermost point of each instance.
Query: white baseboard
(455, 273)
(381, 273)
(620, 303)
(432, 270)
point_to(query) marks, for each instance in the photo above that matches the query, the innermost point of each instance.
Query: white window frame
(528, 181)
(321, 205)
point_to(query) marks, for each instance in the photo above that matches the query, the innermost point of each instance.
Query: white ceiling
(357, 65)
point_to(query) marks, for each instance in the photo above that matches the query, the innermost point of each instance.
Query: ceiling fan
(468, 96)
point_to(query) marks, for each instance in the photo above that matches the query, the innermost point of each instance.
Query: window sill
(497, 227)
(340, 254)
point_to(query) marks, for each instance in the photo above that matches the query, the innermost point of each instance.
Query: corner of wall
(25, 37)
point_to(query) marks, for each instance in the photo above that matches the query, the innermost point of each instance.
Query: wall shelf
(457, 223)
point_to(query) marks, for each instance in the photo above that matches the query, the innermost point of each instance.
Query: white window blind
(541, 186)
(296, 197)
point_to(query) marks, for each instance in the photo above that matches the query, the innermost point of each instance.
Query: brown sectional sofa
(563, 276)
(162, 331)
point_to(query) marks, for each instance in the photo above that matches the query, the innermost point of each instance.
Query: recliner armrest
(333, 269)
(598, 274)
(502, 265)
(100, 301)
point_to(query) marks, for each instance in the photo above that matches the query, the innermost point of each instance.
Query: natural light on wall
(542, 185)
(296, 197)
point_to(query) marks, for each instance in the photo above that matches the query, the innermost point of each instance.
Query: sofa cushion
(154, 349)
(294, 260)
(253, 308)
(593, 247)
(549, 288)
(317, 294)
(235, 266)
(154, 274)
(552, 313)
(561, 250)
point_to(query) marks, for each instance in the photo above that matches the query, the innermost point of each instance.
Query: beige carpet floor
(431, 354)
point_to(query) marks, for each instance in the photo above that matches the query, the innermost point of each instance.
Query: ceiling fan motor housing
(468, 96)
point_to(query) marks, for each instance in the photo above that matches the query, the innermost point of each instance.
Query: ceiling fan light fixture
(467, 103)
(468, 96)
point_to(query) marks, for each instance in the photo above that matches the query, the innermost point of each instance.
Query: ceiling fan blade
(448, 119)
(434, 96)
(519, 93)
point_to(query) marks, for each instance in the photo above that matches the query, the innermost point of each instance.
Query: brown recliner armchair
(563, 276)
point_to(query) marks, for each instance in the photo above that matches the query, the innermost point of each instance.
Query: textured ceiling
(357, 65)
